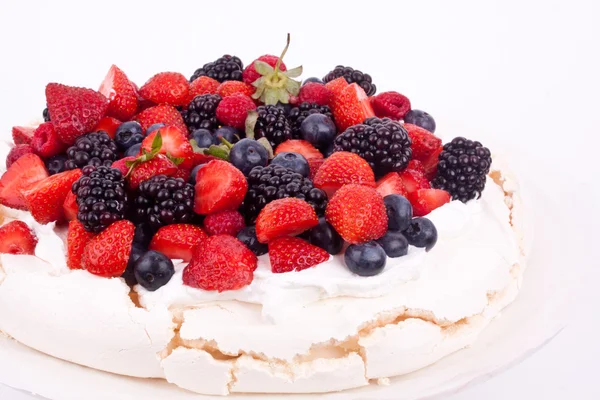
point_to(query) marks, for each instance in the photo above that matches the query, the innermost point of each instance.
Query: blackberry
(101, 197)
(162, 200)
(462, 169)
(226, 68)
(352, 76)
(384, 143)
(201, 112)
(299, 114)
(46, 114)
(272, 124)
(95, 148)
(266, 184)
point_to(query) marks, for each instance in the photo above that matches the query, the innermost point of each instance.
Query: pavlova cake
(243, 232)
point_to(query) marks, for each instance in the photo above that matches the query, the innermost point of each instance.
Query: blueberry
(248, 236)
(203, 137)
(311, 79)
(153, 127)
(228, 133)
(286, 107)
(324, 236)
(293, 161)
(128, 134)
(247, 154)
(143, 234)
(137, 251)
(56, 164)
(420, 118)
(134, 150)
(194, 173)
(153, 270)
(421, 233)
(319, 130)
(399, 212)
(365, 259)
(394, 244)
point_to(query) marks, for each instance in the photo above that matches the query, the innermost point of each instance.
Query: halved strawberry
(45, 141)
(108, 125)
(121, 93)
(178, 241)
(342, 168)
(45, 199)
(174, 144)
(314, 164)
(26, 170)
(157, 165)
(430, 165)
(77, 239)
(70, 207)
(424, 143)
(284, 217)
(22, 134)
(107, 253)
(219, 187)
(293, 254)
(17, 238)
(337, 86)
(161, 114)
(414, 180)
(301, 147)
(351, 107)
(425, 201)
(167, 88)
(416, 165)
(390, 184)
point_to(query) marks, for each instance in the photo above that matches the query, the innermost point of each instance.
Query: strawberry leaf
(263, 68)
(251, 123)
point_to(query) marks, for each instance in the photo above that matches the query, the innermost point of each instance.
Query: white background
(522, 73)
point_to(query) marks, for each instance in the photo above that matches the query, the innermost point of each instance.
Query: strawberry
(314, 92)
(203, 85)
(301, 147)
(233, 110)
(430, 165)
(224, 223)
(229, 88)
(45, 141)
(107, 253)
(70, 207)
(175, 144)
(201, 158)
(17, 152)
(357, 213)
(249, 75)
(414, 180)
(108, 125)
(342, 168)
(144, 170)
(284, 217)
(178, 241)
(26, 170)
(314, 164)
(167, 88)
(293, 254)
(390, 184)
(17, 238)
(219, 187)
(121, 93)
(77, 239)
(22, 134)
(425, 201)
(183, 173)
(424, 143)
(416, 165)
(390, 104)
(351, 107)
(164, 114)
(336, 87)
(75, 111)
(45, 198)
(121, 164)
(220, 262)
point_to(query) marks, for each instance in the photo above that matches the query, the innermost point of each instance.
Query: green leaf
(294, 72)
(131, 163)
(226, 143)
(263, 68)
(292, 87)
(218, 151)
(260, 82)
(157, 143)
(195, 147)
(251, 123)
(258, 93)
(176, 160)
(265, 142)
(272, 96)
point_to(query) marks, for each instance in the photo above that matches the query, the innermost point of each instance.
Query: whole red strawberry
(157, 165)
(357, 213)
(77, 239)
(250, 74)
(178, 241)
(70, 207)
(220, 263)
(342, 168)
(351, 107)
(75, 111)
(45, 141)
(107, 253)
(17, 152)
(314, 92)
(121, 93)
(174, 143)
(161, 114)
(167, 88)
(284, 217)
(390, 104)
(203, 85)
(22, 134)
(219, 187)
(293, 254)
(25, 171)
(233, 110)
(224, 223)
(108, 125)
(17, 238)
(424, 143)
(425, 201)
(229, 88)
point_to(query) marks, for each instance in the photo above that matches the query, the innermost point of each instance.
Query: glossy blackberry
(226, 68)
(95, 148)
(101, 197)
(299, 114)
(201, 112)
(462, 169)
(272, 124)
(352, 76)
(384, 143)
(46, 114)
(266, 184)
(162, 200)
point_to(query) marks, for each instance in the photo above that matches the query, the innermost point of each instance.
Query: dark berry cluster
(352, 76)
(95, 148)
(266, 184)
(298, 114)
(384, 143)
(226, 68)
(462, 169)
(101, 197)
(202, 112)
(272, 124)
(162, 200)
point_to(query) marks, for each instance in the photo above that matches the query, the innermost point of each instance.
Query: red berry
(17, 152)
(121, 164)
(183, 173)
(219, 187)
(416, 165)
(121, 93)
(314, 92)
(342, 168)
(46, 142)
(70, 207)
(17, 238)
(425, 201)
(178, 241)
(159, 165)
(414, 180)
(164, 114)
(424, 143)
(293, 254)
(77, 239)
(203, 85)
(351, 107)
(250, 74)
(108, 253)
(357, 213)
(108, 125)
(167, 88)
(336, 87)
(233, 110)
(314, 164)
(284, 217)
(224, 223)
(430, 165)
(174, 143)
(302, 147)
(390, 104)
(22, 134)
(229, 88)
(390, 184)
(221, 263)
(26, 170)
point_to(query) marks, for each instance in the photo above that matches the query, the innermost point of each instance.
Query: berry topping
(343, 168)
(248, 236)
(250, 75)
(324, 236)
(301, 147)
(293, 254)
(17, 238)
(128, 134)
(420, 118)
(224, 223)
(203, 85)
(424, 143)
(175, 145)
(177, 241)
(95, 149)
(399, 212)
(318, 129)
(247, 154)
(45, 141)
(269, 122)
(153, 270)
(145, 167)
(121, 93)
(167, 88)
(352, 75)
(414, 180)
(294, 161)
(164, 114)
(366, 259)
(229, 88)
(70, 207)
(77, 238)
(233, 110)
(22, 134)
(391, 184)
(421, 233)
(351, 107)
(17, 152)
(108, 253)
(284, 217)
(391, 105)
(425, 201)
(336, 87)
(201, 112)
(219, 187)
(394, 244)
(23, 172)
(226, 68)
(316, 93)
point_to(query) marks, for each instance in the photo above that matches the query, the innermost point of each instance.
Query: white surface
(523, 76)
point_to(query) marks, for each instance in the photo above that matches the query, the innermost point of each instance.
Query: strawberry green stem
(282, 54)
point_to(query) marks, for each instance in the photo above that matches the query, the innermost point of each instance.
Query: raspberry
(250, 75)
(224, 222)
(315, 93)
(390, 104)
(17, 152)
(229, 88)
(233, 110)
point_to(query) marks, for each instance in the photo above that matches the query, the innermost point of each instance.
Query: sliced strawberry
(70, 207)
(178, 241)
(174, 144)
(22, 134)
(17, 152)
(108, 125)
(293, 254)
(108, 253)
(121, 164)
(390, 184)
(45, 198)
(161, 114)
(284, 217)
(414, 180)
(351, 107)
(26, 170)
(416, 165)
(430, 165)
(301, 147)
(424, 143)
(219, 187)
(158, 165)
(77, 239)
(45, 141)
(342, 168)
(121, 93)
(425, 201)
(17, 238)
(167, 88)
(314, 164)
